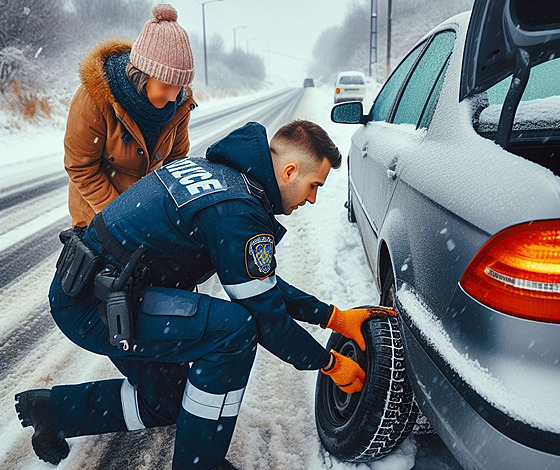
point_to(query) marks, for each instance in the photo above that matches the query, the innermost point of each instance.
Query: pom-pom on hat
(163, 50)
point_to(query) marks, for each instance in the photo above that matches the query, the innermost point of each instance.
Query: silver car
(454, 181)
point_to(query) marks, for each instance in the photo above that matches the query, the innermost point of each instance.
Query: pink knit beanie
(163, 50)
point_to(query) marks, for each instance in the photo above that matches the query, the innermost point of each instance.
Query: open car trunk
(536, 129)
(545, 153)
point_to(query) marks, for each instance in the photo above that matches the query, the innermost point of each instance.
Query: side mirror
(349, 113)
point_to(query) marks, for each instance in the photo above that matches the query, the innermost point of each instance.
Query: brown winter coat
(100, 164)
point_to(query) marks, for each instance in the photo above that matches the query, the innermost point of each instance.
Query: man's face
(298, 182)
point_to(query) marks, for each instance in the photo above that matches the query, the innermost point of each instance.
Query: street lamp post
(204, 40)
(234, 35)
(373, 38)
(389, 21)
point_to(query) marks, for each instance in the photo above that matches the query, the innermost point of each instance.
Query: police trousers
(188, 365)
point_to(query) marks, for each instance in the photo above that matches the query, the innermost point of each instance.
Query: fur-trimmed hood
(92, 71)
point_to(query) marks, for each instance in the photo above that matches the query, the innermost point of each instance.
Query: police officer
(189, 358)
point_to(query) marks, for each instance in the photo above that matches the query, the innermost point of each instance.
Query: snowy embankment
(322, 254)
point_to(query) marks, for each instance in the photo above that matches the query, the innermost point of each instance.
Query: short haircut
(312, 138)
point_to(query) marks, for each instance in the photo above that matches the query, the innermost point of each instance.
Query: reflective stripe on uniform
(249, 289)
(233, 403)
(202, 404)
(129, 401)
(211, 405)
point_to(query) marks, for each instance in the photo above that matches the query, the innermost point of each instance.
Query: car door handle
(392, 170)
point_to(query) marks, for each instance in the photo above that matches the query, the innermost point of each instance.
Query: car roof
(351, 72)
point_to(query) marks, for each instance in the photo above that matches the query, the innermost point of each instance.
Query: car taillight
(517, 271)
(338, 90)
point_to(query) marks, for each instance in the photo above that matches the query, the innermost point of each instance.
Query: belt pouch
(77, 266)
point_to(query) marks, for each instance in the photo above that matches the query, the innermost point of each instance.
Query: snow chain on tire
(368, 425)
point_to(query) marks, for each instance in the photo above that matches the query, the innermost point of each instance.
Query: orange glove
(346, 373)
(349, 322)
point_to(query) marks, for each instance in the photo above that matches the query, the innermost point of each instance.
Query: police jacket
(216, 214)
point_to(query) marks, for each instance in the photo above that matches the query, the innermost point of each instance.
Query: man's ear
(290, 171)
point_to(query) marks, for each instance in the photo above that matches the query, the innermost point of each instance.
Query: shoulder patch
(186, 181)
(259, 256)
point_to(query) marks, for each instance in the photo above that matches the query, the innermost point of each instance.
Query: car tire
(350, 207)
(367, 425)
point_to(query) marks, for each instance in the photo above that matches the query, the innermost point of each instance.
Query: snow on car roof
(352, 72)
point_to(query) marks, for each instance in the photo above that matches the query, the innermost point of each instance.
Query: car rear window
(539, 108)
(351, 80)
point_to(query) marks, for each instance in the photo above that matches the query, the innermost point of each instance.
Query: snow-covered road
(322, 254)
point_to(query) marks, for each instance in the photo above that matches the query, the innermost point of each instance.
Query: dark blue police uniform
(192, 354)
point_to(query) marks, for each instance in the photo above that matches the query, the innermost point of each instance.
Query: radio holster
(120, 293)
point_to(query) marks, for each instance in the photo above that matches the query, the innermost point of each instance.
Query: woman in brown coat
(130, 116)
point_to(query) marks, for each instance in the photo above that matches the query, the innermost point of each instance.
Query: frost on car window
(423, 79)
(428, 112)
(386, 97)
(540, 103)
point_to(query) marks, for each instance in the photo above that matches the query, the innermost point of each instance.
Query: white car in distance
(350, 86)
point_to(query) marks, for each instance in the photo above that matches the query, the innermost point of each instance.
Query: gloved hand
(346, 373)
(349, 322)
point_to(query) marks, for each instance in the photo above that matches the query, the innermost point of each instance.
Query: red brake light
(338, 90)
(517, 271)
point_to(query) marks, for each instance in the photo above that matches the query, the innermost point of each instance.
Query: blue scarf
(150, 119)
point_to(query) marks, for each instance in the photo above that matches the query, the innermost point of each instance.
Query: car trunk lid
(497, 30)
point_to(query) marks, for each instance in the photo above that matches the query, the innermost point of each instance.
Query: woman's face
(160, 93)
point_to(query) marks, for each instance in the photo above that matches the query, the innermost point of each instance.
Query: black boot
(33, 409)
(225, 465)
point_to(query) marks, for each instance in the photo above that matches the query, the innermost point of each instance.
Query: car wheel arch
(384, 264)
(394, 250)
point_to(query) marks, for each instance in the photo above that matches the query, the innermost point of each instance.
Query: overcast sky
(288, 27)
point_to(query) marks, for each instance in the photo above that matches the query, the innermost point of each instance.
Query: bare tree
(342, 47)
(102, 19)
(12, 60)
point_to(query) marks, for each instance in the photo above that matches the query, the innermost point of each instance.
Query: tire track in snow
(13, 196)
(19, 259)
(18, 346)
